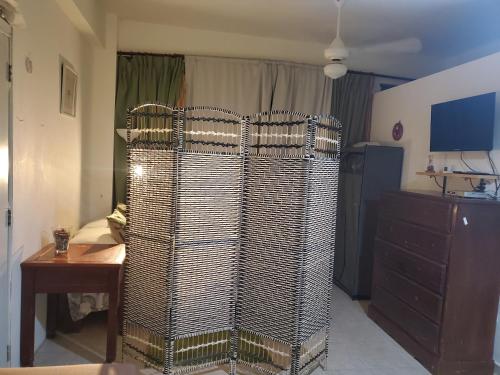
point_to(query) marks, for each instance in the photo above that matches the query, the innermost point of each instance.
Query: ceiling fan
(337, 52)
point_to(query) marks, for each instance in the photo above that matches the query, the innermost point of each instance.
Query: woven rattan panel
(211, 130)
(149, 249)
(272, 239)
(320, 242)
(204, 299)
(230, 239)
(208, 198)
(207, 240)
(151, 191)
(149, 237)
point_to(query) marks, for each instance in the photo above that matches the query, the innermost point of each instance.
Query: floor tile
(357, 345)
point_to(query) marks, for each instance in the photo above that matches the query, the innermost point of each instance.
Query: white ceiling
(452, 31)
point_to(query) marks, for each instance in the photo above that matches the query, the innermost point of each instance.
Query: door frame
(5, 353)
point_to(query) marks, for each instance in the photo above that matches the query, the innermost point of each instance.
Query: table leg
(113, 316)
(52, 308)
(27, 318)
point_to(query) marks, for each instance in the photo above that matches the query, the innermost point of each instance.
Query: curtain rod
(126, 53)
(131, 53)
(381, 75)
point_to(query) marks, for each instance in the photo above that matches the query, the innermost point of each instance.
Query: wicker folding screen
(230, 239)
(287, 241)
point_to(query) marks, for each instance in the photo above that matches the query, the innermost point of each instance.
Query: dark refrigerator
(365, 173)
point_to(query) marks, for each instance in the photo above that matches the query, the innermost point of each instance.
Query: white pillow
(102, 223)
(94, 235)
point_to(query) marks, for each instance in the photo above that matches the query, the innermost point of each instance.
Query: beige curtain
(301, 88)
(250, 86)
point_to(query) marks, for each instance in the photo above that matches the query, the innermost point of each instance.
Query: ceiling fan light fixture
(336, 50)
(335, 70)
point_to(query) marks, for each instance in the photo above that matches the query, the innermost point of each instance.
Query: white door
(5, 87)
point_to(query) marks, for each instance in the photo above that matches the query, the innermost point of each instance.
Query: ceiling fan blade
(407, 45)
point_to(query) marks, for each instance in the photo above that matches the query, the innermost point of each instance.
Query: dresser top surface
(96, 255)
(438, 196)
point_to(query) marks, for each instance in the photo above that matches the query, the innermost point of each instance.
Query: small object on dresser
(61, 238)
(430, 165)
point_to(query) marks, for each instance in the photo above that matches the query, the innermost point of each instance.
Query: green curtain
(351, 103)
(140, 79)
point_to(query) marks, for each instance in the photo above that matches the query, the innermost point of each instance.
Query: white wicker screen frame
(195, 209)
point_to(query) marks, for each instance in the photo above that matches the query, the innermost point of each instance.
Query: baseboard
(354, 297)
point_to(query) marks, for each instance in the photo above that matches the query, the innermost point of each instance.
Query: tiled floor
(358, 346)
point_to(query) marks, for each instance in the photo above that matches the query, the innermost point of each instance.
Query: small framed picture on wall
(69, 82)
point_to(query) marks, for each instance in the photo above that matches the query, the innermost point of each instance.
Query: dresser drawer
(431, 213)
(424, 272)
(432, 245)
(416, 325)
(419, 298)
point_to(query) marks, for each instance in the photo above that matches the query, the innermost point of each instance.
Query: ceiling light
(335, 70)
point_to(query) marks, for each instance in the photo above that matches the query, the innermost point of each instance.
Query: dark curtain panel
(140, 79)
(351, 103)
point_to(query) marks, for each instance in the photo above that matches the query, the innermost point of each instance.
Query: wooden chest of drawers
(436, 279)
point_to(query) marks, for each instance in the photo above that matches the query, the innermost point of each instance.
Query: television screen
(464, 124)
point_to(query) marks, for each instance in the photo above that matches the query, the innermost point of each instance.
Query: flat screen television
(464, 124)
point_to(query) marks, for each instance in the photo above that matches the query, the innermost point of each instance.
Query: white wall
(160, 38)
(88, 16)
(98, 134)
(411, 104)
(50, 165)
(93, 12)
(46, 144)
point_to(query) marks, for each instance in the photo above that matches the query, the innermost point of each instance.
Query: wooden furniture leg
(114, 280)
(27, 319)
(52, 307)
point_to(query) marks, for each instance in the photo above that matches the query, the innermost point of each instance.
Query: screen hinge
(8, 353)
(9, 72)
(9, 217)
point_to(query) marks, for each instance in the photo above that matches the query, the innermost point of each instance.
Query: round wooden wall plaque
(397, 131)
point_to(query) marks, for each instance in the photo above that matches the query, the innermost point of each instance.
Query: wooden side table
(85, 268)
